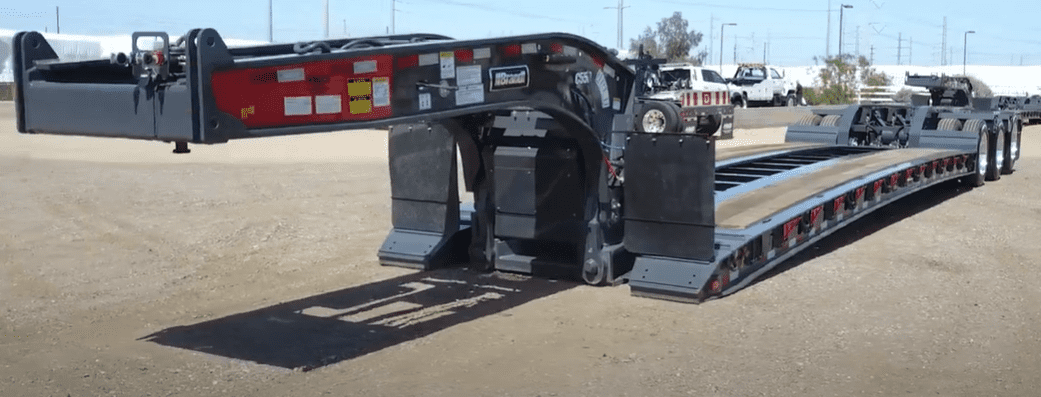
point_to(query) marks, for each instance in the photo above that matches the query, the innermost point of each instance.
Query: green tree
(671, 40)
(839, 78)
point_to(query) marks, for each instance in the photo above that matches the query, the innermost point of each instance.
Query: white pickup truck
(701, 95)
(756, 83)
(684, 76)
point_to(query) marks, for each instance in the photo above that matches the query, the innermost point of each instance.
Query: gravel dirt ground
(250, 269)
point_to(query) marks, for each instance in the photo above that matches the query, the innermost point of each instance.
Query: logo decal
(508, 77)
(583, 77)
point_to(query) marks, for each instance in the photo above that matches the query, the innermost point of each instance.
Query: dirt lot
(247, 268)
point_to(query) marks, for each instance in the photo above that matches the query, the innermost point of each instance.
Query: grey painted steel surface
(559, 180)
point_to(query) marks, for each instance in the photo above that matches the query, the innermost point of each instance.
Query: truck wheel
(949, 125)
(709, 127)
(809, 119)
(831, 120)
(997, 156)
(1011, 148)
(740, 101)
(656, 117)
(980, 167)
(790, 101)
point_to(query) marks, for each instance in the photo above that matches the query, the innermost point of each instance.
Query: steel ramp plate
(743, 210)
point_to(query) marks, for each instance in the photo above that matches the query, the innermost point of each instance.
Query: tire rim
(999, 150)
(1014, 147)
(654, 121)
(981, 157)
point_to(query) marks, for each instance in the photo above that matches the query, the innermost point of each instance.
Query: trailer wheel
(949, 125)
(656, 117)
(809, 119)
(983, 153)
(1011, 148)
(831, 120)
(997, 157)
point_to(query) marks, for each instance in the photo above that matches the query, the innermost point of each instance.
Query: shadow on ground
(325, 329)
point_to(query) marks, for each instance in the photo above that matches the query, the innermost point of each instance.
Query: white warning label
(297, 105)
(469, 94)
(327, 104)
(447, 65)
(467, 75)
(424, 101)
(287, 75)
(380, 91)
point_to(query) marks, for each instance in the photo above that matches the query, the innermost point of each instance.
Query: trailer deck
(543, 126)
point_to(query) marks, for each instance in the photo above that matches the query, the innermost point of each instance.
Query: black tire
(979, 169)
(1011, 147)
(949, 125)
(709, 127)
(983, 153)
(739, 101)
(790, 101)
(810, 119)
(657, 117)
(831, 120)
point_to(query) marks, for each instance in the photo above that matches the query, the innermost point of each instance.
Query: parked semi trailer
(544, 126)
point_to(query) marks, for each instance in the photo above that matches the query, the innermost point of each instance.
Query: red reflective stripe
(597, 60)
(556, 48)
(815, 214)
(839, 204)
(510, 51)
(706, 97)
(406, 62)
(790, 228)
(464, 56)
(893, 180)
(860, 193)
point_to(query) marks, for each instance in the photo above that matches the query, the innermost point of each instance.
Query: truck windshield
(711, 76)
(676, 78)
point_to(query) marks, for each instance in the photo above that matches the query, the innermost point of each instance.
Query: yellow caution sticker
(357, 87)
(361, 104)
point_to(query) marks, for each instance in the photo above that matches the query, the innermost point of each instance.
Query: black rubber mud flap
(424, 198)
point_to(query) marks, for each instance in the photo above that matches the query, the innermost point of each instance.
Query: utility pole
(872, 59)
(345, 28)
(965, 51)
(393, 13)
(270, 24)
(621, 6)
(57, 18)
(827, 36)
(943, 44)
(721, 27)
(735, 50)
(858, 41)
(841, 7)
(711, 36)
(325, 18)
(899, 46)
(910, 50)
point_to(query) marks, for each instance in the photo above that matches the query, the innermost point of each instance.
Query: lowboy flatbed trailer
(543, 127)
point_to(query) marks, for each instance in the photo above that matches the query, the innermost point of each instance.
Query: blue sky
(1006, 31)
